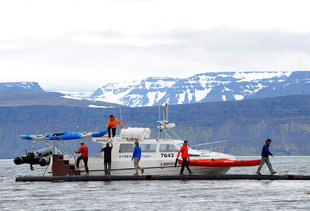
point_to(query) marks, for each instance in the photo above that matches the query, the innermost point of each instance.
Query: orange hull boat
(221, 162)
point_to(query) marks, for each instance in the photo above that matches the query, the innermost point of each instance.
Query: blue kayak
(64, 136)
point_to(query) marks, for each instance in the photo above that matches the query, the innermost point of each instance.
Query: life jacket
(184, 151)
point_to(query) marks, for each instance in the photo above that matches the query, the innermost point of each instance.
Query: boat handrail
(94, 155)
(214, 142)
(208, 146)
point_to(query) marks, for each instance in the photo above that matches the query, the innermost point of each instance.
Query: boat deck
(160, 177)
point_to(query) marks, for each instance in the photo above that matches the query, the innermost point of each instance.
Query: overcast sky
(82, 44)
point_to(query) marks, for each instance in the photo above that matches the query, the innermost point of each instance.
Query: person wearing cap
(84, 156)
(265, 158)
(111, 125)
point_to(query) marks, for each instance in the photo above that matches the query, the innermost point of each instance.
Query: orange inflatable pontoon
(221, 162)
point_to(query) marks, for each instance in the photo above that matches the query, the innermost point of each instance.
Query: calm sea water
(159, 195)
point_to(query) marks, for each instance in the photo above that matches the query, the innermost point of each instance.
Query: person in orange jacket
(184, 151)
(112, 125)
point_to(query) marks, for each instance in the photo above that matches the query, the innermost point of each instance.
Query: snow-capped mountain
(204, 87)
(76, 95)
(30, 93)
(20, 87)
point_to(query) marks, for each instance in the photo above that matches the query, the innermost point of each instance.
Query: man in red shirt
(184, 151)
(84, 156)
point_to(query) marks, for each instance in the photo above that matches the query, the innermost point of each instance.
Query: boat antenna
(120, 112)
(165, 112)
(159, 113)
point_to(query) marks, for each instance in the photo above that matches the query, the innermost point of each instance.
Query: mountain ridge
(244, 124)
(205, 87)
(20, 87)
(48, 98)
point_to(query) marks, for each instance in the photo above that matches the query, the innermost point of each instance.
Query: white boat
(158, 155)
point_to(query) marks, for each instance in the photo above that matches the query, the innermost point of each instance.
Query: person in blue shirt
(265, 158)
(136, 156)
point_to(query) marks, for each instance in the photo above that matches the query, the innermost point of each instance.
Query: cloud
(80, 45)
(43, 19)
(86, 60)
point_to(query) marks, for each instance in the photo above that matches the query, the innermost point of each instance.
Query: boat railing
(95, 155)
(216, 146)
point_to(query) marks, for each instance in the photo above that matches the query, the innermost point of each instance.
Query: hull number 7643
(167, 155)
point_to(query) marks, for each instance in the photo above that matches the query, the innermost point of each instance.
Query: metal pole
(120, 112)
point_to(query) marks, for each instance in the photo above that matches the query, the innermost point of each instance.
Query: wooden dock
(160, 177)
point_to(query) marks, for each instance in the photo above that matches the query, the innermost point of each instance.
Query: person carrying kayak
(184, 151)
(107, 158)
(111, 125)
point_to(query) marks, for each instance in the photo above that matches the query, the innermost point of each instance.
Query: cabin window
(167, 148)
(148, 147)
(126, 148)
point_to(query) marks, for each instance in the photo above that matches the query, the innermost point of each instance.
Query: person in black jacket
(107, 158)
(265, 158)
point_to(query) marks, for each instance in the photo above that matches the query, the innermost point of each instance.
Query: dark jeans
(85, 160)
(107, 167)
(185, 164)
(113, 131)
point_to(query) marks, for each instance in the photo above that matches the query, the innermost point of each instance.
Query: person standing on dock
(184, 151)
(84, 156)
(265, 158)
(136, 156)
(111, 125)
(107, 158)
